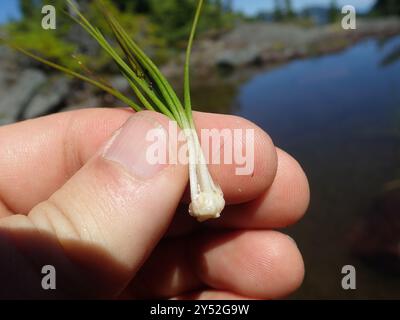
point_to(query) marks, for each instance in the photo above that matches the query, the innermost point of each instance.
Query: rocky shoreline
(26, 91)
(260, 44)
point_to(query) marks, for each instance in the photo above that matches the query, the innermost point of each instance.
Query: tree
(278, 13)
(32, 9)
(289, 9)
(333, 11)
(157, 25)
(174, 17)
(27, 7)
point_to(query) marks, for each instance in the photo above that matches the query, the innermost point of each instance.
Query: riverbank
(223, 61)
(260, 44)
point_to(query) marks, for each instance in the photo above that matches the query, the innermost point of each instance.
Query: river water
(339, 115)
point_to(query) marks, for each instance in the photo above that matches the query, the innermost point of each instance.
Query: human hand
(112, 226)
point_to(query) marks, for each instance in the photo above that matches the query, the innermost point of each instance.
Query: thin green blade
(187, 98)
(69, 72)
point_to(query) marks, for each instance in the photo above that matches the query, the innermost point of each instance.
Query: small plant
(154, 93)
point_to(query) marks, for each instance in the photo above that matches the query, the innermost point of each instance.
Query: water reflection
(391, 57)
(339, 115)
(376, 236)
(218, 98)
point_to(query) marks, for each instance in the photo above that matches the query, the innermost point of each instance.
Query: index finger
(38, 156)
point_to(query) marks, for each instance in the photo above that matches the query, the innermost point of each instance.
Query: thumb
(118, 201)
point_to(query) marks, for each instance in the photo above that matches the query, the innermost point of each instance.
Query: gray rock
(246, 56)
(262, 42)
(119, 83)
(49, 98)
(17, 92)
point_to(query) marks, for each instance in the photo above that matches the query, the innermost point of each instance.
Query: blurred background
(330, 97)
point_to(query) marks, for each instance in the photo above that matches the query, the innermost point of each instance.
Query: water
(339, 115)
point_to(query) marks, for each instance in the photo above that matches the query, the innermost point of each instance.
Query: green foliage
(148, 84)
(158, 26)
(30, 34)
(278, 12)
(28, 8)
(138, 25)
(154, 93)
(171, 17)
(56, 44)
(333, 12)
(289, 9)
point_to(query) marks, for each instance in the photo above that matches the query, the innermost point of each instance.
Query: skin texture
(111, 234)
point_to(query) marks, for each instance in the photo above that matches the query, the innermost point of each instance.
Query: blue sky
(9, 8)
(253, 6)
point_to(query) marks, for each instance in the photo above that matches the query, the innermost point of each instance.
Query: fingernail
(129, 146)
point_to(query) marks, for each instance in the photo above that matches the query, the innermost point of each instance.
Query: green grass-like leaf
(187, 98)
(154, 93)
(149, 85)
(69, 72)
